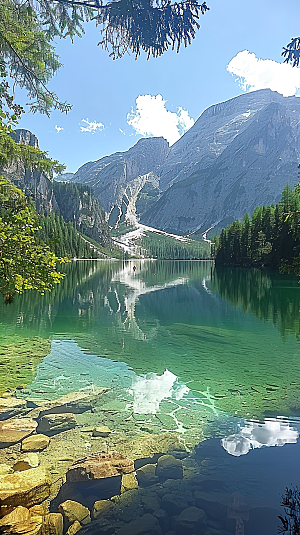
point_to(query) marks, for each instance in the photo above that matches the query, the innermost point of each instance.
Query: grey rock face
(238, 155)
(118, 178)
(77, 204)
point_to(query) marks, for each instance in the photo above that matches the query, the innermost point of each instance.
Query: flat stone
(15, 430)
(74, 402)
(190, 520)
(35, 443)
(99, 465)
(26, 488)
(101, 507)
(76, 526)
(72, 511)
(11, 406)
(168, 467)
(146, 475)
(30, 460)
(19, 514)
(145, 525)
(51, 424)
(53, 524)
(101, 431)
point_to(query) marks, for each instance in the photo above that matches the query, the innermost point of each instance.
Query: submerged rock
(169, 468)
(26, 488)
(11, 406)
(74, 402)
(146, 475)
(15, 430)
(145, 525)
(101, 507)
(190, 520)
(99, 465)
(101, 431)
(52, 424)
(26, 462)
(35, 443)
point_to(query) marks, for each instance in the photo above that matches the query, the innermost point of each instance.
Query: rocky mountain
(239, 154)
(120, 179)
(75, 202)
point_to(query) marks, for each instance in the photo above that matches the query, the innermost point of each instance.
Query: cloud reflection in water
(273, 432)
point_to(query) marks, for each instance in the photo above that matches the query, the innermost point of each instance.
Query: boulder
(53, 524)
(168, 467)
(15, 430)
(150, 502)
(146, 475)
(129, 482)
(35, 443)
(216, 509)
(162, 518)
(51, 424)
(30, 460)
(74, 402)
(99, 465)
(190, 520)
(145, 525)
(101, 507)
(173, 503)
(19, 514)
(74, 528)
(26, 488)
(11, 406)
(72, 511)
(101, 431)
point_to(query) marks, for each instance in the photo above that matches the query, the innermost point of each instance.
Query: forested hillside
(271, 237)
(167, 248)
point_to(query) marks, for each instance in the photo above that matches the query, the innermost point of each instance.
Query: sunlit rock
(73, 511)
(101, 507)
(52, 424)
(19, 514)
(35, 443)
(15, 430)
(74, 402)
(72, 530)
(11, 406)
(99, 465)
(26, 488)
(129, 482)
(53, 524)
(146, 475)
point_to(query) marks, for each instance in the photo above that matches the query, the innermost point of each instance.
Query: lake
(210, 354)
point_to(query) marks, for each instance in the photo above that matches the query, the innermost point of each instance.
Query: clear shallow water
(210, 352)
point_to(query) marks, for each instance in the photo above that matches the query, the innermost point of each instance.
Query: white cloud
(122, 131)
(92, 126)
(273, 432)
(151, 118)
(254, 73)
(58, 128)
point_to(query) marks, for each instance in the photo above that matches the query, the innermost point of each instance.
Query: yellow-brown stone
(24, 488)
(72, 511)
(35, 443)
(15, 429)
(53, 524)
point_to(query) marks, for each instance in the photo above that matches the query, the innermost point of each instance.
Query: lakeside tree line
(270, 237)
(167, 248)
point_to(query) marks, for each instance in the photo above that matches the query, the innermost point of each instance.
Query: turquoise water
(214, 342)
(203, 352)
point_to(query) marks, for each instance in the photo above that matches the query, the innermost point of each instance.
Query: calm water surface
(211, 352)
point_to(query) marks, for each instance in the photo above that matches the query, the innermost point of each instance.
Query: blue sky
(103, 92)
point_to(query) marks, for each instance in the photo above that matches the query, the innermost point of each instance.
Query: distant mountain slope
(238, 155)
(118, 179)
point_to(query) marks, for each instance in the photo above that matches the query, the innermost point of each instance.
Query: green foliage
(27, 55)
(268, 238)
(24, 264)
(167, 248)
